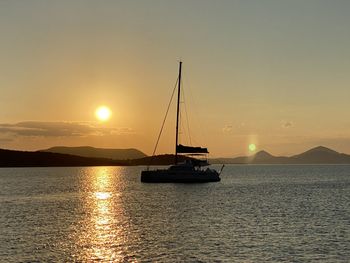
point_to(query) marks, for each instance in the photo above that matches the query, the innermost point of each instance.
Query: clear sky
(270, 72)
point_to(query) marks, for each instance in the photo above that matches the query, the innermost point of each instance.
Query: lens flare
(252, 147)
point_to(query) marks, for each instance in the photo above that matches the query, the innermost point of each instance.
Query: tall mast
(178, 111)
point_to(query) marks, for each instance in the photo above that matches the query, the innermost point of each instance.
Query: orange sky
(273, 73)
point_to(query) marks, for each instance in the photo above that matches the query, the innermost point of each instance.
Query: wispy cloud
(59, 129)
(237, 129)
(287, 124)
(227, 128)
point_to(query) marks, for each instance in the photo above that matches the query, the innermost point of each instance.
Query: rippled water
(255, 214)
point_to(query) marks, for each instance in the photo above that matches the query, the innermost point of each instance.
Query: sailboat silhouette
(190, 171)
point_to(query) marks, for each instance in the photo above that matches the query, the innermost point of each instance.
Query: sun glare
(252, 147)
(103, 113)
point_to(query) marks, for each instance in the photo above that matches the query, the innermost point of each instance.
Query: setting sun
(103, 113)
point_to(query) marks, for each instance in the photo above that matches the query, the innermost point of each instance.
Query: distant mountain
(11, 158)
(87, 151)
(317, 155)
(320, 155)
(261, 157)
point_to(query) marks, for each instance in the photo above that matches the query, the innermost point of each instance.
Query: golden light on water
(102, 235)
(102, 195)
(103, 113)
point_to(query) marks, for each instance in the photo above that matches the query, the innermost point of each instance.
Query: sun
(103, 113)
(252, 147)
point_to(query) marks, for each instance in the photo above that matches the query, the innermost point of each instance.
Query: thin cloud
(59, 129)
(287, 124)
(227, 129)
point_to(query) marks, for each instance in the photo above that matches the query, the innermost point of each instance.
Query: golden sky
(274, 73)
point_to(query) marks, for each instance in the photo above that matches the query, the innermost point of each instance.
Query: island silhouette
(88, 151)
(76, 156)
(13, 158)
(317, 155)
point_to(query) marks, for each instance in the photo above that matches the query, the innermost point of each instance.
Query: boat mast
(178, 111)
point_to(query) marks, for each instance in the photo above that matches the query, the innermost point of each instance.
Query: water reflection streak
(102, 233)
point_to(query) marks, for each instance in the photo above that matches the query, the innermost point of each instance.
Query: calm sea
(255, 214)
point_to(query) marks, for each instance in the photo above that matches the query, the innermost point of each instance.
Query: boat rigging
(191, 171)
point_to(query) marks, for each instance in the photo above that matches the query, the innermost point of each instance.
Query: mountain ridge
(93, 152)
(13, 158)
(316, 155)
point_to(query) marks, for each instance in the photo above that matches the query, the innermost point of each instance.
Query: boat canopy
(189, 149)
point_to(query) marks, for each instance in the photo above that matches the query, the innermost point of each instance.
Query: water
(255, 214)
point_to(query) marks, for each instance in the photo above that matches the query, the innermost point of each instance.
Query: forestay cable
(161, 129)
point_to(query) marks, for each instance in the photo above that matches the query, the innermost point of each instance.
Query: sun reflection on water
(102, 195)
(103, 232)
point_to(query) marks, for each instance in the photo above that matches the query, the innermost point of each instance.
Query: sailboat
(190, 171)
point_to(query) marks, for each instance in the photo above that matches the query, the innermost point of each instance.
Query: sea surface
(257, 213)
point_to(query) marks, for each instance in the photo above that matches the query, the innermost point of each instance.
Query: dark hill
(9, 158)
(87, 151)
(261, 157)
(317, 155)
(322, 155)
(264, 157)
